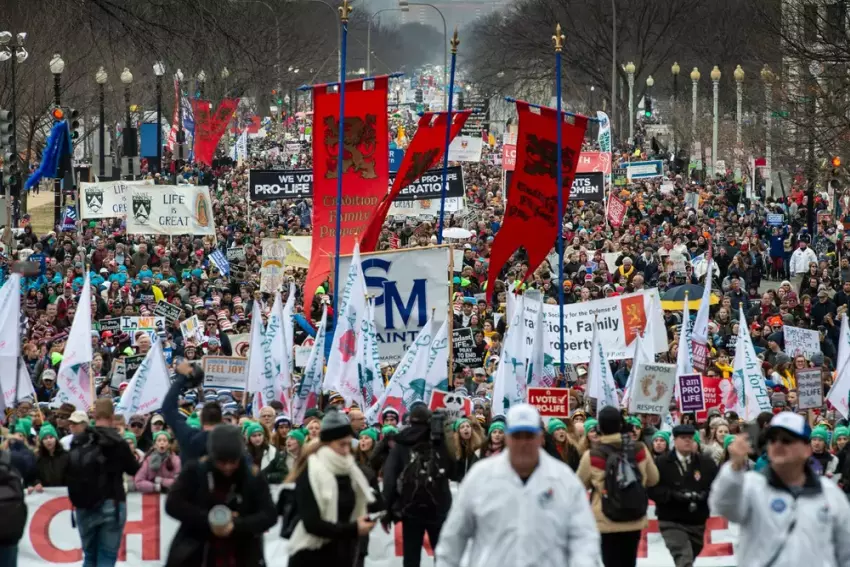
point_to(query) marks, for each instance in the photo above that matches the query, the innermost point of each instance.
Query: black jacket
(398, 459)
(672, 494)
(192, 442)
(190, 500)
(51, 470)
(120, 460)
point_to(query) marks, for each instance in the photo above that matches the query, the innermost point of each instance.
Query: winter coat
(190, 500)
(273, 465)
(591, 471)
(192, 442)
(23, 460)
(168, 472)
(670, 494)
(51, 470)
(765, 509)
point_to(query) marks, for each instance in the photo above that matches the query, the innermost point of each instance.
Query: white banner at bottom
(50, 539)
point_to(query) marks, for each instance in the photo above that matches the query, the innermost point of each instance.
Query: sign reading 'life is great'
(170, 209)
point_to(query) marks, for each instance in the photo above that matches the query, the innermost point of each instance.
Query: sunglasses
(783, 439)
(137, 424)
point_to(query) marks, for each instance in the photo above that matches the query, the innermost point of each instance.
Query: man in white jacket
(521, 508)
(788, 515)
(801, 258)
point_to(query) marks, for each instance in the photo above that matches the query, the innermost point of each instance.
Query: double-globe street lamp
(16, 53)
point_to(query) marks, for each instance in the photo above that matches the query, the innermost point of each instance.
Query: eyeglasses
(783, 439)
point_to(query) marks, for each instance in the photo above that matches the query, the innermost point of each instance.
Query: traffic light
(836, 162)
(460, 101)
(58, 114)
(6, 128)
(419, 97)
(10, 161)
(648, 108)
(74, 123)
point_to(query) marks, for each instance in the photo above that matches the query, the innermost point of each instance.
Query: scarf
(322, 469)
(156, 459)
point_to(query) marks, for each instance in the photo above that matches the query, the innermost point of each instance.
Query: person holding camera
(192, 442)
(416, 482)
(681, 496)
(223, 507)
(331, 499)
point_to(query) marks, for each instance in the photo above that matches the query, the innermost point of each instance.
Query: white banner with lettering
(49, 538)
(620, 319)
(107, 199)
(170, 209)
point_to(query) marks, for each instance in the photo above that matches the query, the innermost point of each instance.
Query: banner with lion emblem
(365, 169)
(169, 209)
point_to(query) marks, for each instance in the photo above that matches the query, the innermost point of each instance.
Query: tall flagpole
(558, 38)
(344, 11)
(454, 43)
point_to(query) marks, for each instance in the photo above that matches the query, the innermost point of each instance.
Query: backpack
(624, 497)
(416, 485)
(13, 509)
(87, 480)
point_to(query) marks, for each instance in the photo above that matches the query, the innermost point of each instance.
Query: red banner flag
(425, 150)
(209, 127)
(531, 215)
(616, 211)
(365, 171)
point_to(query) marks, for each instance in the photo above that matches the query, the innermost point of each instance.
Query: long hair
(464, 449)
(301, 462)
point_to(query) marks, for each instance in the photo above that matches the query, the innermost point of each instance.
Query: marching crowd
(342, 476)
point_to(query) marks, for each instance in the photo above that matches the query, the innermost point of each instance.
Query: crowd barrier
(51, 540)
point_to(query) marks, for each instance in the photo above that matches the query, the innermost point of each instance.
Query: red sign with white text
(594, 162)
(712, 391)
(509, 157)
(550, 402)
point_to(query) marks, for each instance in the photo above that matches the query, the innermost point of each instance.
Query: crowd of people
(344, 475)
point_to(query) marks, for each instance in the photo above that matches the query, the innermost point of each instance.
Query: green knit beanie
(500, 425)
(663, 435)
(47, 429)
(160, 433)
(458, 422)
(820, 433)
(841, 431)
(298, 435)
(389, 430)
(634, 421)
(130, 436)
(554, 425)
(370, 433)
(24, 426)
(250, 428)
(590, 424)
(728, 441)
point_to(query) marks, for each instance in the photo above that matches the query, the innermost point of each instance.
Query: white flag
(288, 327)
(838, 394)
(15, 389)
(370, 381)
(242, 146)
(260, 372)
(601, 383)
(310, 388)
(148, 386)
(684, 360)
(699, 333)
(747, 374)
(540, 365)
(408, 382)
(275, 337)
(10, 317)
(73, 378)
(644, 353)
(509, 383)
(437, 374)
(342, 375)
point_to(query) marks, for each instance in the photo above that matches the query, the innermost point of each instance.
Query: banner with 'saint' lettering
(50, 541)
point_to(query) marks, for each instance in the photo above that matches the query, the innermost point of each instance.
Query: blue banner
(645, 169)
(395, 159)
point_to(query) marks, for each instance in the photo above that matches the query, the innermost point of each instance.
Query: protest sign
(107, 199)
(645, 169)
(168, 310)
(463, 347)
(800, 341)
(235, 254)
(131, 365)
(509, 157)
(550, 402)
(775, 219)
(302, 355)
(654, 383)
(119, 371)
(150, 325)
(272, 265)
(267, 185)
(230, 372)
(690, 393)
(809, 388)
(594, 162)
(170, 210)
(191, 330)
(240, 343)
(712, 394)
(455, 405)
(466, 148)
(585, 187)
(113, 325)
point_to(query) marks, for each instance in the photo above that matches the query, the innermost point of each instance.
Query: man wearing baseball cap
(500, 496)
(787, 514)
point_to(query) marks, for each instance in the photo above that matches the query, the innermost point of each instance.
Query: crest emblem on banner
(141, 208)
(542, 155)
(359, 144)
(94, 199)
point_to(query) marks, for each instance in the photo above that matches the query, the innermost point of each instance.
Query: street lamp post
(101, 77)
(767, 77)
(614, 63)
(17, 54)
(127, 79)
(715, 82)
(694, 82)
(739, 94)
(630, 73)
(57, 67)
(675, 70)
(159, 71)
(404, 4)
(401, 8)
(202, 78)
